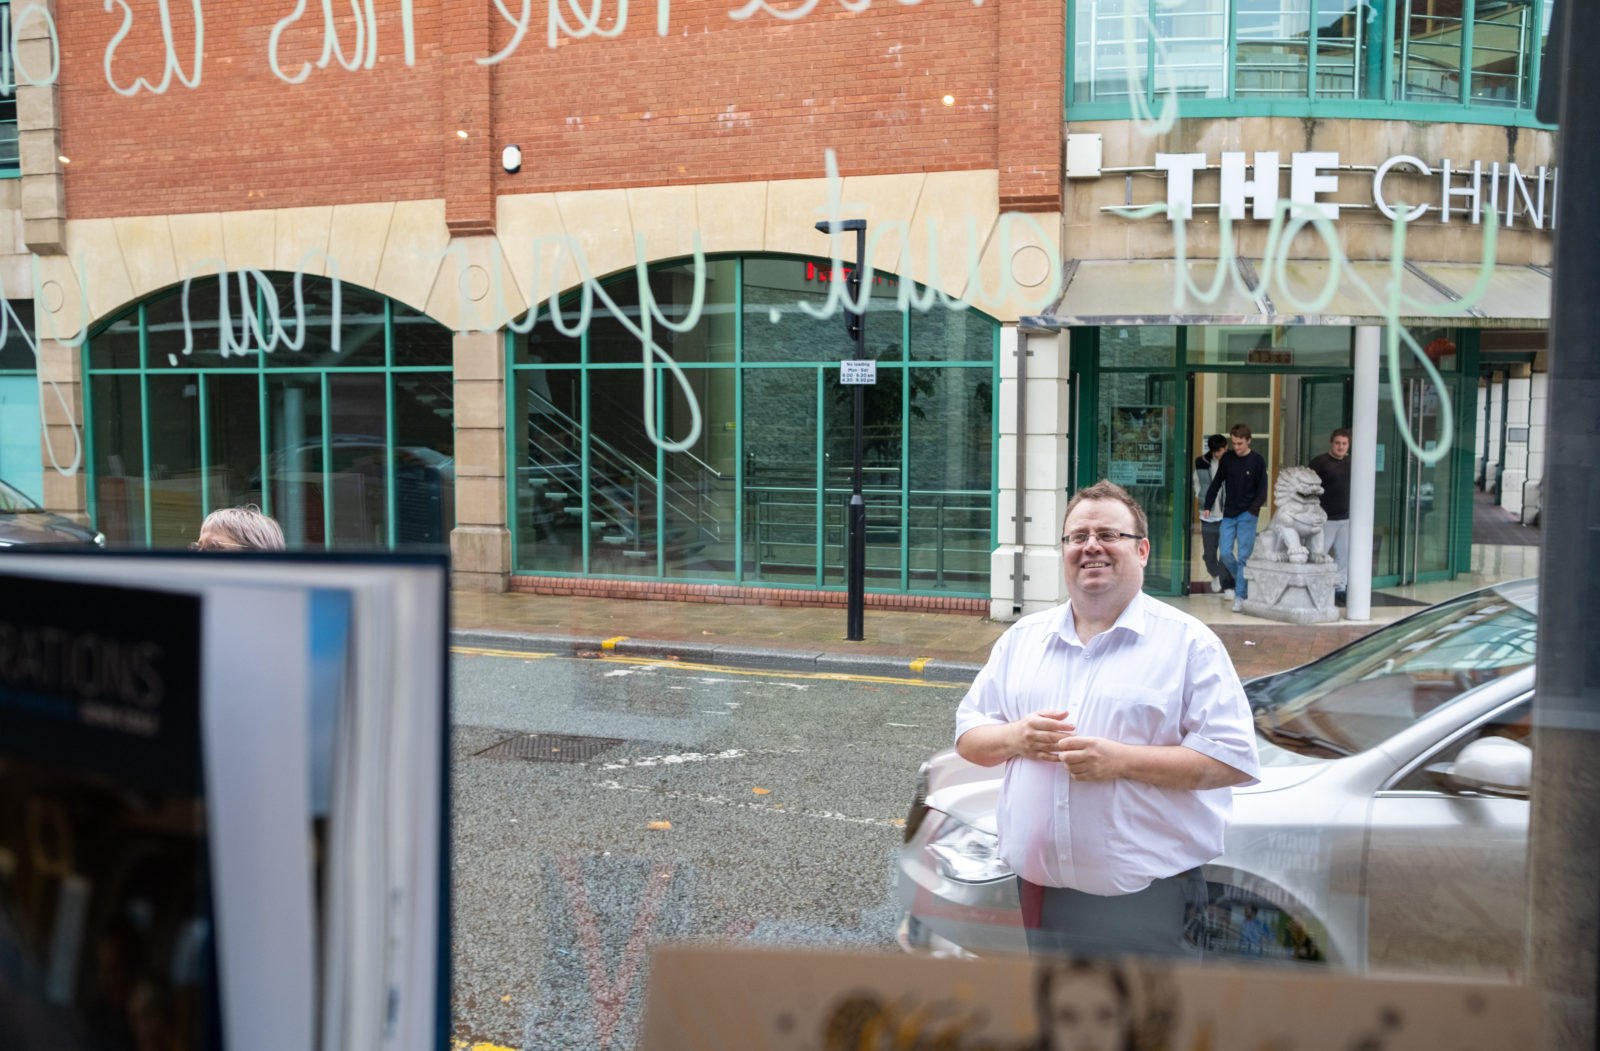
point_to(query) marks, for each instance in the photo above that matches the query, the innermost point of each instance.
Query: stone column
(44, 208)
(1363, 473)
(62, 448)
(480, 545)
(1044, 437)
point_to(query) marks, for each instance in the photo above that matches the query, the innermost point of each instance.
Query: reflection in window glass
(418, 339)
(379, 426)
(547, 469)
(1271, 40)
(424, 455)
(1427, 52)
(1349, 51)
(118, 457)
(1152, 346)
(1361, 696)
(117, 345)
(295, 470)
(746, 502)
(699, 485)
(951, 442)
(776, 328)
(357, 469)
(176, 506)
(1502, 42)
(780, 476)
(15, 353)
(234, 431)
(1192, 57)
(1101, 68)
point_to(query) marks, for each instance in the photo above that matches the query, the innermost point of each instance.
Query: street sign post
(856, 324)
(858, 373)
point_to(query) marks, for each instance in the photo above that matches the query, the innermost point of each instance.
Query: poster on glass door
(1138, 445)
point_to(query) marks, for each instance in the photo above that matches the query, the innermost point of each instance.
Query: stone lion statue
(1295, 534)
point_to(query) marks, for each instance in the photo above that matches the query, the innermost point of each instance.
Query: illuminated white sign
(1251, 185)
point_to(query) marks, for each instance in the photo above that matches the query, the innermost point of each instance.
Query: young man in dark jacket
(1243, 476)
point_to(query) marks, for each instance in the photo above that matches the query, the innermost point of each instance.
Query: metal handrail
(669, 484)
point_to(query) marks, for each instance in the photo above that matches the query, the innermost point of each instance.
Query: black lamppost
(856, 323)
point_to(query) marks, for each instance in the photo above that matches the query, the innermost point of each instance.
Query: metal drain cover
(551, 748)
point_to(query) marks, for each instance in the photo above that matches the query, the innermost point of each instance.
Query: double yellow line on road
(719, 669)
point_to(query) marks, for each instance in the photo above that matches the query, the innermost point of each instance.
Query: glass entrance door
(1412, 519)
(1141, 446)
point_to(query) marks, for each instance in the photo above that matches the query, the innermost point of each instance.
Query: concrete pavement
(948, 647)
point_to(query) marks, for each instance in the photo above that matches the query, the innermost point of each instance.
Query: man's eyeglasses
(214, 545)
(1106, 537)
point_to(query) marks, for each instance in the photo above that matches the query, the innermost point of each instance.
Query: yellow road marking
(611, 643)
(480, 651)
(461, 1045)
(720, 669)
(920, 663)
(832, 676)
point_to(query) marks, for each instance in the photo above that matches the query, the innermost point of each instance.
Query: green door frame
(1084, 352)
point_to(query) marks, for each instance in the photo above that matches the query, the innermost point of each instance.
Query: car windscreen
(14, 502)
(1364, 694)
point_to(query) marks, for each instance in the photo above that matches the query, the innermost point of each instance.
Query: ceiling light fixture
(949, 100)
(461, 133)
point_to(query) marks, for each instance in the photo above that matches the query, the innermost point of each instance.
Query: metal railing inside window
(10, 157)
(1451, 52)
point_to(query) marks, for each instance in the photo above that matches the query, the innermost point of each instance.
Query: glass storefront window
(1281, 347)
(1321, 51)
(1349, 60)
(344, 448)
(1193, 51)
(1503, 36)
(1153, 346)
(1101, 68)
(760, 496)
(1271, 57)
(1427, 52)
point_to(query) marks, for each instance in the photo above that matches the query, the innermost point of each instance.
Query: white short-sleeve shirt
(1157, 677)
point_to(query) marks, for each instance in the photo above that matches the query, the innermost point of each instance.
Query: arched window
(329, 406)
(759, 497)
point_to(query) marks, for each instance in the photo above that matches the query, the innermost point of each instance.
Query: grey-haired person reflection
(243, 528)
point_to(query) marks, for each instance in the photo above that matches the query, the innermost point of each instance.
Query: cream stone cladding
(476, 285)
(1365, 233)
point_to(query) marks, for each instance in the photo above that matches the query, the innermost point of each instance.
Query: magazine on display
(223, 797)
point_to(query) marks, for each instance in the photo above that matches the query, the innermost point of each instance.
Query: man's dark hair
(1240, 430)
(1342, 432)
(1215, 442)
(1108, 490)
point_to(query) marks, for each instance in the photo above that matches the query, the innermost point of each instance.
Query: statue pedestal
(1295, 593)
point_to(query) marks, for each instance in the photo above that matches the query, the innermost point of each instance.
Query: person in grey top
(1205, 470)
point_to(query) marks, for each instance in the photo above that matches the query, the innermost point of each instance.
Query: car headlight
(919, 804)
(967, 854)
(99, 540)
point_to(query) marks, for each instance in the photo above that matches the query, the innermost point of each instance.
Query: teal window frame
(1388, 107)
(262, 370)
(10, 166)
(827, 516)
(1462, 381)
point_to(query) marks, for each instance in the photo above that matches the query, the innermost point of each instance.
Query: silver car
(1388, 833)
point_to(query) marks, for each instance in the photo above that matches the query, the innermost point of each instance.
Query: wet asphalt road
(784, 794)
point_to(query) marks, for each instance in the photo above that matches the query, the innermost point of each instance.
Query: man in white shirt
(1122, 726)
